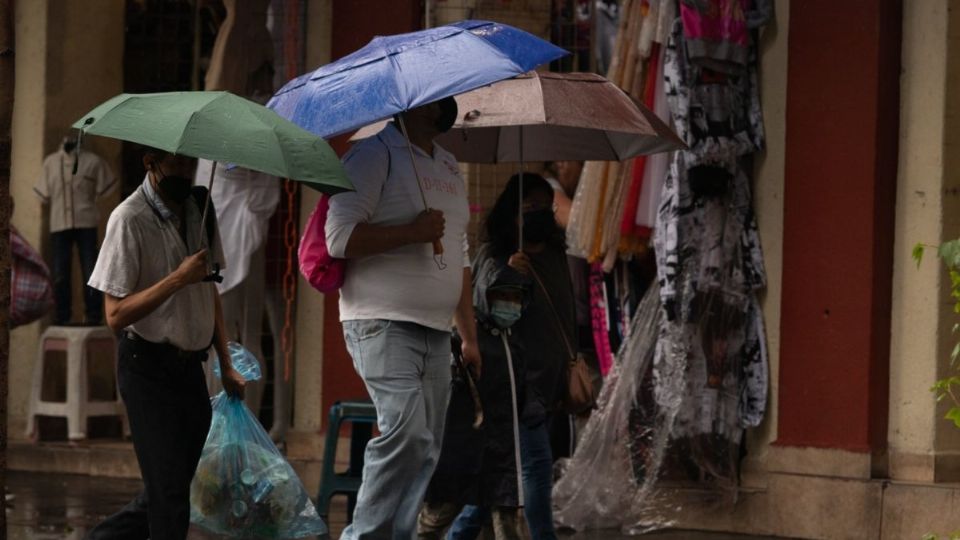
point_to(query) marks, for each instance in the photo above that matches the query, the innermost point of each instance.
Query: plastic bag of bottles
(243, 487)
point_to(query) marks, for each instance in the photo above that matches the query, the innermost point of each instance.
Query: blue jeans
(406, 369)
(537, 490)
(62, 243)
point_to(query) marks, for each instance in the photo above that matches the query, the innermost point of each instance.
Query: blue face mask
(504, 313)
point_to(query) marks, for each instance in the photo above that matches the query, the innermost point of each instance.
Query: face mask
(448, 114)
(504, 313)
(538, 225)
(177, 188)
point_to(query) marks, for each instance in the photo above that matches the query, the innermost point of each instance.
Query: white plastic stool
(79, 343)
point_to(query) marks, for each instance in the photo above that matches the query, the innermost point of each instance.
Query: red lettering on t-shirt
(436, 184)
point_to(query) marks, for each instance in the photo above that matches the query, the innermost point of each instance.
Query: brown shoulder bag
(579, 396)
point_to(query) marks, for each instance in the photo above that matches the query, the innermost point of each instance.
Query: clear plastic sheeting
(610, 481)
(666, 437)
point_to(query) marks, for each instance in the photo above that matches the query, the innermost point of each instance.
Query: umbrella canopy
(219, 126)
(397, 73)
(554, 116)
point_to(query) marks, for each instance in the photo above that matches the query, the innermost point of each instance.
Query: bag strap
(556, 314)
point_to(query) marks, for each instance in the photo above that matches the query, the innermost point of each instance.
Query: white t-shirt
(143, 246)
(403, 284)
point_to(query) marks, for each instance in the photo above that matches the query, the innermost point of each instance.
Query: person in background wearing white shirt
(72, 201)
(397, 304)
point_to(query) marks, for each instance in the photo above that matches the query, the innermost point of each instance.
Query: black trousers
(165, 393)
(86, 242)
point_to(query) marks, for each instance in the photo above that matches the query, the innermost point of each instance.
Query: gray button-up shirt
(73, 197)
(141, 247)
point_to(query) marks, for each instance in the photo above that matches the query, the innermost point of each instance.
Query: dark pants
(86, 241)
(169, 410)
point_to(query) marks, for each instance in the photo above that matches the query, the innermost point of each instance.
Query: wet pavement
(61, 506)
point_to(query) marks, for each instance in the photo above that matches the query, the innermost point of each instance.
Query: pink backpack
(325, 273)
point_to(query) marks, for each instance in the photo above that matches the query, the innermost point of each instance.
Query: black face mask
(176, 188)
(448, 114)
(538, 225)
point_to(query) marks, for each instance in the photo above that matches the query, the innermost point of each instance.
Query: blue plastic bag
(243, 487)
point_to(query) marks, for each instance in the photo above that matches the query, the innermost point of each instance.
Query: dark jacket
(541, 334)
(478, 466)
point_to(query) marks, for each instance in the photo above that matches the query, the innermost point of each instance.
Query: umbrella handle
(437, 245)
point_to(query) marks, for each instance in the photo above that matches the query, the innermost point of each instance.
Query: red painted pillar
(840, 179)
(355, 22)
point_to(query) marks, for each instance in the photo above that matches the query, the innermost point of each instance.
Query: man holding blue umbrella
(397, 302)
(400, 291)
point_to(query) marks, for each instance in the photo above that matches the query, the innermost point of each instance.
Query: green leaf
(929, 536)
(954, 414)
(917, 253)
(950, 253)
(956, 326)
(954, 353)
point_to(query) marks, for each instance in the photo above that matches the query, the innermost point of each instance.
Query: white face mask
(505, 312)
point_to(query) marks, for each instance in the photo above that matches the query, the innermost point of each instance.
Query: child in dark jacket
(478, 464)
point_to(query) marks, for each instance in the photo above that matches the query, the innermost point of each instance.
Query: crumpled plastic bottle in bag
(244, 487)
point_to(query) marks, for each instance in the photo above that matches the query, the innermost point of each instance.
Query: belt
(164, 349)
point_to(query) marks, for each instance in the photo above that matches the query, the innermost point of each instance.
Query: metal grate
(486, 182)
(163, 43)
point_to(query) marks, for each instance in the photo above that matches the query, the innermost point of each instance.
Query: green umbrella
(220, 127)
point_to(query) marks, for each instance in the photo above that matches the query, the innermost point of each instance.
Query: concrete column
(840, 172)
(69, 59)
(304, 438)
(923, 446)
(768, 202)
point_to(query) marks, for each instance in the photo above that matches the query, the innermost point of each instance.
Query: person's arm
(467, 326)
(232, 381)
(367, 239)
(561, 208)
(122, 312)
(348, 229)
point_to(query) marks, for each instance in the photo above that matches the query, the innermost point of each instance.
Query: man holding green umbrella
(154, 269)
(151, 270)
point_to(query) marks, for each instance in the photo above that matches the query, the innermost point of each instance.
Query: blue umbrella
(397, 73)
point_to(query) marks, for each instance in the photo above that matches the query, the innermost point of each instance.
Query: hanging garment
(655, 169)
(716, 31)
(245, 200)
(631, 240)
(710, 267)
(598, 315)
(705, 184)
(242, 48)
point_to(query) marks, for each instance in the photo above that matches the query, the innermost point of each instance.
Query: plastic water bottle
(239, 508)
(243, 361)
